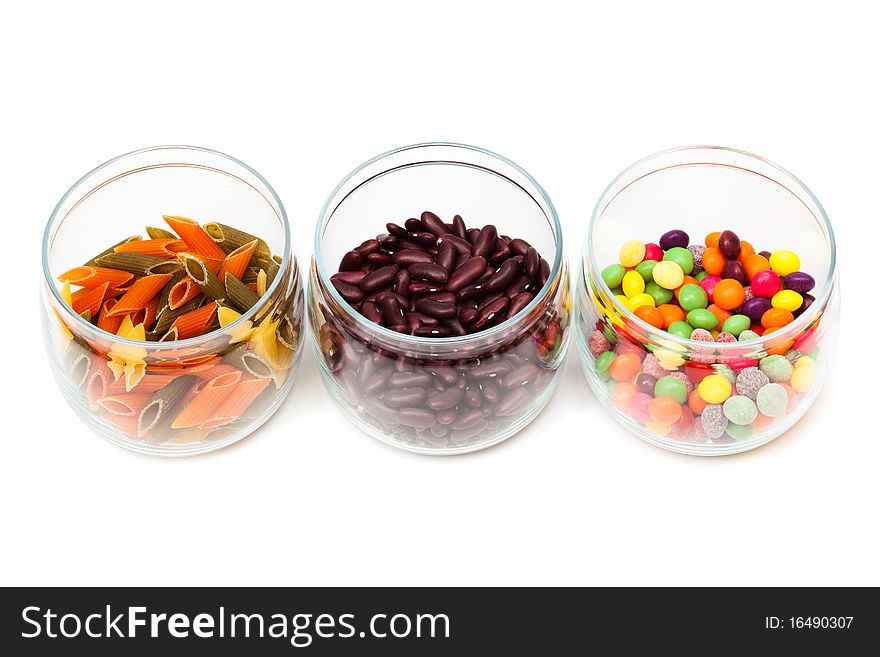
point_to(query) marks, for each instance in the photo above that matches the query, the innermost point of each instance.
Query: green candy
(611, 384)
(722, 369)
(613, 275)
(646, 270)
(659, 294)
(681, 256)
(610, 335)
(691, 297)
(702, 318)
(736, 324)
(617, 291)
(680, 329)
(777, 368)
(701, 276)
(603, 362)
(772, 400)
(748, 334)
(669, 386)
(738, 432)
(740, 410)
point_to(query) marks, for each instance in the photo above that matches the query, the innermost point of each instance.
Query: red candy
(766, 283)
(697, 371)
(638, 406)
(708, 284)
(653, 252)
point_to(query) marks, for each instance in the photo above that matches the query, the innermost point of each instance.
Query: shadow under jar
(451, 394)
(134, 392)
(761, 384)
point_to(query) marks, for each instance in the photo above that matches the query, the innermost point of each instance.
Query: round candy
(714, 389)
(670, 386)
(622, 393)
(772, 400)
(639, 300)
(661, 295)
(645, 383)
(739, 432)
(701, 276)
(720, 314)
(749, 381)
(638, 406)
(713, 261)
(713, 420)
(650, 315)
(632, 253)
(695, 402)
(613, 275)
(598, 343)
(784, 262)
(664, 410)
(701, 318)
(740, 410)
(697, 252)
(702, 335)
(633, 284)
(728, 294)
(671, 313)
(651, 366)
(624, 367)
(657, 427)
(680, 329)
(745, 250)
(799, 282)
(692, 296)
(681, 256)
(668, 360)
(808, 301)
(726, 371)
(735, 270)
(755, 263)
(673, 238)
(729, 244)
(748, 334)
(708, 284)
(755, 308)
(725, 336)
(653, 252)
(603, 362)
(805, 371)
(766, 283)
(736, 324)
(668, 274)
(776, 318)
(644, 269)
(787, 300)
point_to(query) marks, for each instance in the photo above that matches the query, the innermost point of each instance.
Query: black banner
(446, 621)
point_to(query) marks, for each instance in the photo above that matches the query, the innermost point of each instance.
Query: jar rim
(418, 341)
(797, 326)
(170, 344)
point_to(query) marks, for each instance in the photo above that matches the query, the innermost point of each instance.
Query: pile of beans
(432, 279)
(721, 291)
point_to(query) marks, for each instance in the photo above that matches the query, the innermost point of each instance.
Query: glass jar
(701, 190)
(506, 373)
(130, 391)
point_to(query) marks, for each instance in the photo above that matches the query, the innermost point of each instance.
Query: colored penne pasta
(127, 403)
(140, 294)
(158, 410)
(239, 295)
(89, 299)
(204, 278)
(135, 263)
(237, 261)
(203, 404)
(155, 233)
(162, 248)
(105, 321)
(184, 290)
(92, 277)
(195, 322)
(93, 261)
(229, 239)
(166, 317)
(198, 240)
(236, 402)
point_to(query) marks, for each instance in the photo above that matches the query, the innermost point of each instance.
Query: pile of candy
(720, 292)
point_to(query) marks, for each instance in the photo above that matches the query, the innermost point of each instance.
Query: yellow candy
(668, 274)
(641, 300)
(623, 301)
(804, 361)
(658, 427)
(787, 300)
(632, 253)
(714, 389)
(802, 378)
(785, 262)
(668, 360)
(633, 284)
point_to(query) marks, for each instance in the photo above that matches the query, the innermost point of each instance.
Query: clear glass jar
(361, 361)
(701, 190)
(116, 384)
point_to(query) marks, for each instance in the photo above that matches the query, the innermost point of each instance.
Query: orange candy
(664, 410)
(720, 314)
(762, 421)
(671, 313)
(755, 263)
(714, 261)
(687, 280)
(729, 294)
(625, 367)
(775, 317)
(745, 250)
(712, 239)
(651, 315)
(622, 393)
(696, 403)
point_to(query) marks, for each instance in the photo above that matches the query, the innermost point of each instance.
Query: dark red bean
(428, 272)
(350, 277)
(467, 435)
(485, 301)
(447, 416)
(401, 283)
(397, 231)
(412, 324)
(375, 383)
(519, 302)
(521, 376)
(510, 402)
(472, 397)
(409, 245)
(446, 375)
(392, 313)
(466, 274)
(416, 417)
(388, 241)
(371, 312)
(409, 257)
(462, 246)
(491, 369)
(490, 313)
(470, 292)
(431, 332)
(442, 297)
(433, 224)
(351, 261)
(400, 397)
(490, 391)
(350, 293)
(502, 278)
(519, 247)
(368, 247)
(398, 328)
(455, 327)
(484, 245)
(445, 400)
(409, 380)
(543, 272)
(520, 285)
(497, 258)
(378, 260)
(423, 287)
(531, 262)
(436, 309)
(376, 280)
(461, 259)
(472, 234)
(458, 227)
(412, 225)
(381, 411)
(423, 238)
(403, 301)
(468, 419)
(446, 256)
(424, 319)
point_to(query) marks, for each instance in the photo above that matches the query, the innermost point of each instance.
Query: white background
(304, 93)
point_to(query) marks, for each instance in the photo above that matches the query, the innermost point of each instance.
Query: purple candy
(799, 281)
(674, 238)
(808, 301)
(755, 308)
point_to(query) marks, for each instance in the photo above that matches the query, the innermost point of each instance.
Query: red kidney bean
(472, 397)
(403, 301)
(436, 309)
(424, 287)
(350, 277)
(519, 302)
(424, 319)
(409, 245)
(520, 285)
(376, 280)
(444, 373)
(469, 272)
(521, 376)
(543, 272)
(351, 261)
(350, 293)
(472, 234)
(502, 278)
(446, 256)
(447, 399)
(519, 247)
(367, 247)
(409, 257)
(433, 224)
(397, 231)
(491, 369)
(484, 245)
(465, 435)
(471, 292)
(401, 283)
(371, 311)
(447, 416)
(461, 245)
(490, 313)
(375, 383)
(458, 227)
(468, 314)
(455, 327)
(511, 402)
(531, 262)
(412, 225)
(490, 391)
(416, 417)
(398, 328)
(409, 380)
(461, 259)
(381, 411)
(423, 239)
(485, 301)
(377, 260)
(431, 332)
(428, 272)
(438, 430)
(392, 313)
(468, 419)
(400, 397)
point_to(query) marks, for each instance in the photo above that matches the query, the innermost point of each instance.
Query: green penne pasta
(165, 267)
(239, 295)
(158, 410)
(250, 275)
(166, 318)
(170, 336)
(204, 278)
(287, 334)
(249, 361)
(135, 263)
(166, 291)
(229, 239)
(78, 364)
(160, 233)
(94, 261)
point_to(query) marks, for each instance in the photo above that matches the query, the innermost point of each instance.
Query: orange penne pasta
(236, 402)
(95, 276)
(105, 321)
(195, 237)
(212, 264)
(205, 402)
(139, 294)
(89, 299)
(125, 424)
(163, 248)
(218, 370)
(147, 314)
(128, 403)
(194, 322)
(183, 291)
(236, 263)
(99, 379)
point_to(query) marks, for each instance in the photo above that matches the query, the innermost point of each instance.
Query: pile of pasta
(174, 286)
